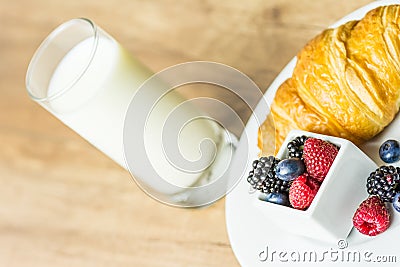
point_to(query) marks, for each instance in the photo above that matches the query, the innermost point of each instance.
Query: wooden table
(63, 203)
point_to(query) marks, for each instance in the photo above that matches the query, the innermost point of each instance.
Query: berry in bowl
(312, 186)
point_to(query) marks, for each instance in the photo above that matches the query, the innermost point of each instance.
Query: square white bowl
(330, 214)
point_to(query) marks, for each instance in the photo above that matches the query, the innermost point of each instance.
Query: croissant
(346, 83)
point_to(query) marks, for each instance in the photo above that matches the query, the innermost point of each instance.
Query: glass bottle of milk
(87, 80)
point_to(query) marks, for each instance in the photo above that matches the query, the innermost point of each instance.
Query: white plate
(251, 234)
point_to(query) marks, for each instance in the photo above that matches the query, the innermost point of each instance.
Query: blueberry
(396, 202)
(277, 198)
(389, 151)
(290, 169)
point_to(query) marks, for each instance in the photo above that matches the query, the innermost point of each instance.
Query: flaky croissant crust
(346, 83)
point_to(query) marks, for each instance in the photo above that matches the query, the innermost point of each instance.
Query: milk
(94, 105)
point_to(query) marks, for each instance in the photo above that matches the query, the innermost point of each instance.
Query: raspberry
(371, 217)
(318, 157)
(302, 191)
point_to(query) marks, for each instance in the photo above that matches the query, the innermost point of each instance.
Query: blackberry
(295, 147)
(383, 182)
(263, 177)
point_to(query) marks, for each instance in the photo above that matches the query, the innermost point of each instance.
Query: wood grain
(63, 203)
